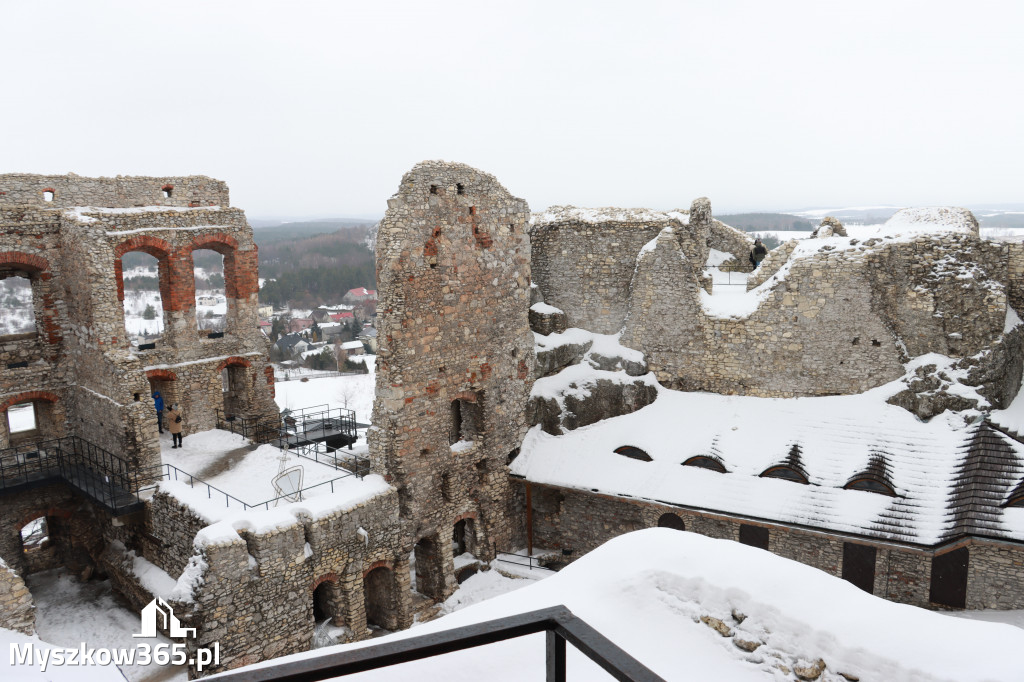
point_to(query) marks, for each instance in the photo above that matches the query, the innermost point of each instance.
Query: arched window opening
(167, 191)
(670, 520)
(870, 485)
(17, 312)
(705, 462)
(29, 422)
(233, 390)
(633, 453)
(785, 473)
(211, 293)
(380, 599)
(143, 304)
(48, 195)
(463, 538)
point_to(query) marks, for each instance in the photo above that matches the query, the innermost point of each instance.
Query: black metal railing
(103, 476)
(169, 472)
(558, 622)
(302, 431)
(529, 562)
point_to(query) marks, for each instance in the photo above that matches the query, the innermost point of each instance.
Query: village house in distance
(544, 381)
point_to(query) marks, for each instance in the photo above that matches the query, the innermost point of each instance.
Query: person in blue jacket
(158, 402)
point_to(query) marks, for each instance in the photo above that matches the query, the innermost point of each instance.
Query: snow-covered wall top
(607, 214)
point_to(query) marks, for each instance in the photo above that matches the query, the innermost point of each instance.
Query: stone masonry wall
(581, 521)
(255, 594)
(455, 363)
(17, 612)
(120, 192)
(830, 323)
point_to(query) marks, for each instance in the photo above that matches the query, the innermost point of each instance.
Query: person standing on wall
(174, 422)
(158, 402)
(758, 253)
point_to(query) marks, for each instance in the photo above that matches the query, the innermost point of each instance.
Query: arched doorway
(380, 597)
(428, 568)
(671, 520)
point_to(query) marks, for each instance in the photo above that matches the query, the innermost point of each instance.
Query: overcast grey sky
(317, 108)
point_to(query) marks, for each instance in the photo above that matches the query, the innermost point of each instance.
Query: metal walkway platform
(100, 475)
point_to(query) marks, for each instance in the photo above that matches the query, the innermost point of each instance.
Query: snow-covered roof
(352, 345)
(834, 440)
(607, 214)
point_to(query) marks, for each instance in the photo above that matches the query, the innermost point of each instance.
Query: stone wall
(455, 363)
(585, 267)
(17, 612)
(725, 238)
(830, 323)
(120, 192)
(255, 594)
(581, 521)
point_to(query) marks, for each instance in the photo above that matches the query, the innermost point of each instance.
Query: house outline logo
(158, 611)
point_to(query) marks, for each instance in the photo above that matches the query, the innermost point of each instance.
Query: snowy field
(353, 392)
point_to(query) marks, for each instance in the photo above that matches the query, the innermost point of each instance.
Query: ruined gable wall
(583, 259)
(800, 341)
(585, 269)
(835, 322)
(453, 268)
(120, 192)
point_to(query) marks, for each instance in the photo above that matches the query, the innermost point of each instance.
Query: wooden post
(529, 522)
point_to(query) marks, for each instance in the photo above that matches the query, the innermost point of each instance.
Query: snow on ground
(652, 609)
(69, 612)
(225, 461)
(352, 391)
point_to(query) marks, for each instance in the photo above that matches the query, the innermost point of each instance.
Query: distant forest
(316, 270)
(755, 222)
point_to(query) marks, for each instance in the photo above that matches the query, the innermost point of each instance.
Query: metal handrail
(180, 475)
(111, 480)
(558, 622)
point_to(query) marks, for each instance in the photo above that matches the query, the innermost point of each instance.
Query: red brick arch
(29, 396)
(378, 564)
(161, 375)
(325, 578)
(234, 360)
(241, 276)
(155, 247)
(216, 241)
(25, 261)
(462, 517)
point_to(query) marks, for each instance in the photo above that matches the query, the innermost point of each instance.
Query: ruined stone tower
(66, 235)
(455, 365)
